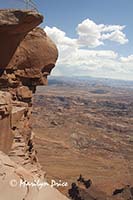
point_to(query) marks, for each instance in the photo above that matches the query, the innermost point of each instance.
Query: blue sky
(94, 37)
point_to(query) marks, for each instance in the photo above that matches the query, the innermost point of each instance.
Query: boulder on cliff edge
(34, 58)
(14, 26)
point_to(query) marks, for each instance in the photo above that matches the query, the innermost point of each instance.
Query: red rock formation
(12, 177)
(27, 57)
(6, 136)
(34, 59)
(14, 26)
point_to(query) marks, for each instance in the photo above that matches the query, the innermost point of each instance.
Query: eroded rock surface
(5, 122)
(12, 183)
(34, 59)
(14, 26)
(27, 56)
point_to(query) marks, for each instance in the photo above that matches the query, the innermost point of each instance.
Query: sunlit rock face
(14, 26)
(6, 136)
(33, 60)
(27, 56)
(12, 183)
(27, 53)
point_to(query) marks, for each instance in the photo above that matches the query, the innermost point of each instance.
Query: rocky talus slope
(27, 56)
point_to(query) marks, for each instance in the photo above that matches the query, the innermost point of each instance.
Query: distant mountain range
(84, 81)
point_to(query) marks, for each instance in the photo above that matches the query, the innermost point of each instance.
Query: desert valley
(66, 100)
(84, 126)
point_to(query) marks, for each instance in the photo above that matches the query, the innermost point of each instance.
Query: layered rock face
(27, 56)
(30, 57)
(5, 121)
(34, 59)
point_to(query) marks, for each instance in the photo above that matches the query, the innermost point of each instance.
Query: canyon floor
(85, 127)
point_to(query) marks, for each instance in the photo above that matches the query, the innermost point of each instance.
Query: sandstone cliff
(11, 178)
(27, 56)
(5, 122)
(14, 26)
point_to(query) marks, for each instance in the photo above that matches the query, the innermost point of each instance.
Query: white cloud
(77, 57)
(116, 36)
(89, 34)
(110, 28)
(59, 37)
(127, 64)
(128, 59)
(92, 34)
(76, 60)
